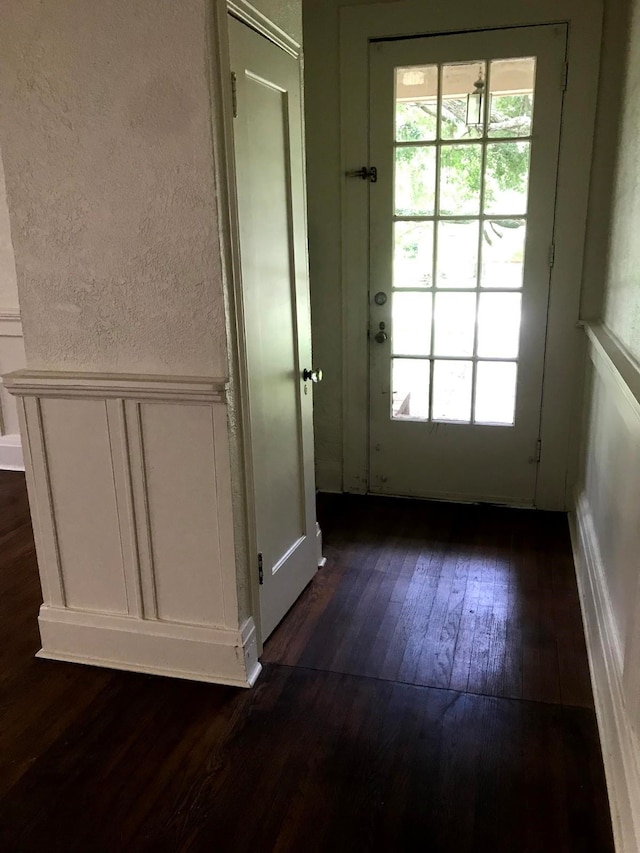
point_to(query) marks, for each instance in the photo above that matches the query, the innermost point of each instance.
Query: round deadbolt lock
(315, 375)
(380, 298)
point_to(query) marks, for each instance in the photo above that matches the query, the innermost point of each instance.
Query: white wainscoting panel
(78, 454)
(130, 491)
(180, 473)
(12, 357)
(606, 541)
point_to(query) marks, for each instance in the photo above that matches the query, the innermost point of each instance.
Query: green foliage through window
(507, 163)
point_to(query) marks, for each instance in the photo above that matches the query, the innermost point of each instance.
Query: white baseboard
(215, 655)
(620, 748)
(11, 458)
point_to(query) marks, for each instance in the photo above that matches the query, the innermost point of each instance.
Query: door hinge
(234, 93)
(538, 450)
(552, 255)
(565, 76)
(260, 569)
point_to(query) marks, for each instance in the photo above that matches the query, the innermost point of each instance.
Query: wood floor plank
(487, 602)
(311, 759)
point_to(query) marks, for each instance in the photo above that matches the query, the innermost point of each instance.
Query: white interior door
(272, 220)
(464, 132)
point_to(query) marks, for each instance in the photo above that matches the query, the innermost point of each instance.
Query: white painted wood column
(130, 491)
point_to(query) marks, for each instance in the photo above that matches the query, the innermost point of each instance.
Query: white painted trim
(620, 750)
(322, 560)
(40, 495)
(248, 14)
(35, 383)
(10, 324)
(201, 654)
(38, 508)
(140, 505)
(564, 352)
(615, 363)
(225, 515)
(123, 476)
(11, 458)
(244, 510)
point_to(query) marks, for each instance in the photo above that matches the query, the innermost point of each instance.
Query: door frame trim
(248, 14)
(239, 426)
(563, 380)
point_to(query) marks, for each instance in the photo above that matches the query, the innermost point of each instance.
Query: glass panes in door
(461, 186)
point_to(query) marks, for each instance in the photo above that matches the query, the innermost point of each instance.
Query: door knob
(381, 337)
(315, 375)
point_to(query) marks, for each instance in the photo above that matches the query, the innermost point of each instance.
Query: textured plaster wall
(8, 284)
(622, 304)
(287, 14)
(106, 139)
(606, 142)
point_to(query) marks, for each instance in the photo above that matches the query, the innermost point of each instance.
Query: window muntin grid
(462, 269)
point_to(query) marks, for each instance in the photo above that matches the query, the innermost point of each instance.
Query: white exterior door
(269, 157)
(464, 133)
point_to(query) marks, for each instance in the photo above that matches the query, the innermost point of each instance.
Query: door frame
(239, 424)
(564, 353)
(467, 461)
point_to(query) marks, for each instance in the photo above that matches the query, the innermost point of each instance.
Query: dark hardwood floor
(478, 599)
(429, 691)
